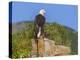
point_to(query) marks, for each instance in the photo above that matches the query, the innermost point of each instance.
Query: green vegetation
(21, 40)
(21, 43)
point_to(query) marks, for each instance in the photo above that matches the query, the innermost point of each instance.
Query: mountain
(23, 32)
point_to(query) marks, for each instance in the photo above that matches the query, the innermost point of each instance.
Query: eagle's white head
(42, 12)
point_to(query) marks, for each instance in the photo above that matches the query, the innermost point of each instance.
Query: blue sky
(63, 14)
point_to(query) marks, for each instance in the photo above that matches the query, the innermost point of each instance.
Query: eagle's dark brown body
(39, 22)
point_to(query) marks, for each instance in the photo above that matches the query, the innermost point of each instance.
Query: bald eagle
(39, 23)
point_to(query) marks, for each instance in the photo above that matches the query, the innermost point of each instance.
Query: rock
(62, 50)
(34, 49)
(47, 47)
(41, 47)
